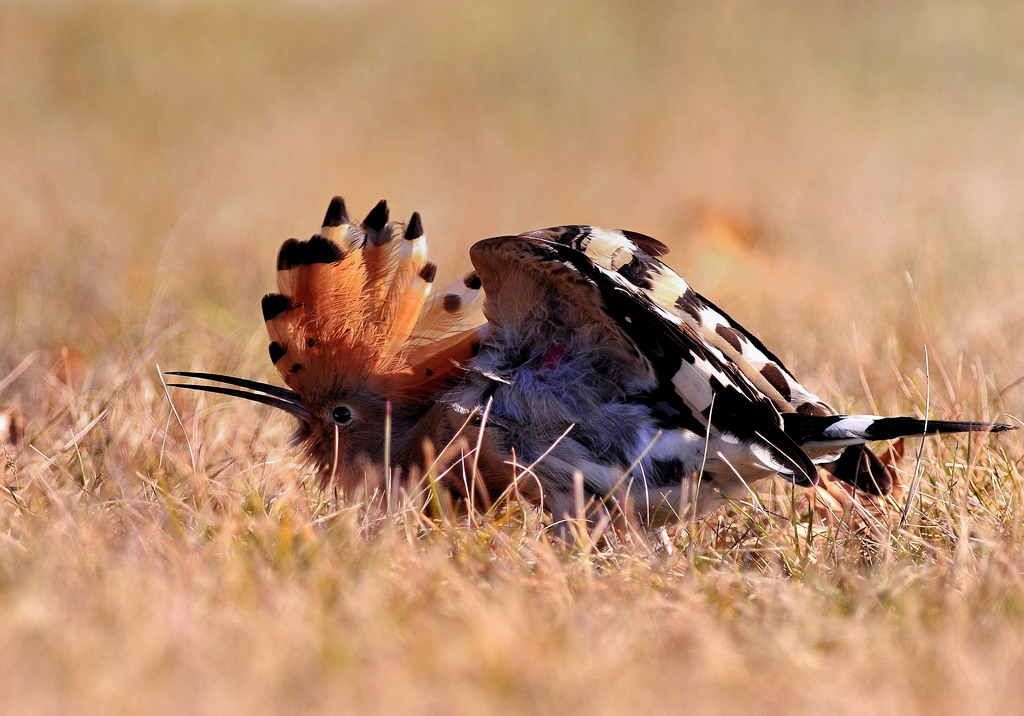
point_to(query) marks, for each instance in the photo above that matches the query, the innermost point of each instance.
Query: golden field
(844, 178)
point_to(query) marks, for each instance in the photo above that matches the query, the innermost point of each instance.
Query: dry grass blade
(178, 559)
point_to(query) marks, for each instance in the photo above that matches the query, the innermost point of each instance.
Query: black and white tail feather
(823, 435)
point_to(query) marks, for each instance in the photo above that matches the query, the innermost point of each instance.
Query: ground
(843, 178)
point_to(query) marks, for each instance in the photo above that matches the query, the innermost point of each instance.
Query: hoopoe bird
(598, 367)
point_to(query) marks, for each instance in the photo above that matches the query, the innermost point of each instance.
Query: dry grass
(803, 159)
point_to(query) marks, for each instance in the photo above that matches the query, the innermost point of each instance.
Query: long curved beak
(272, 395)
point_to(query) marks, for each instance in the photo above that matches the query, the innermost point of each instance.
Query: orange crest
(353, 308)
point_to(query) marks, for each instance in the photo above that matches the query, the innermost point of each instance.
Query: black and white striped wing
(684, 380)
(634, 257)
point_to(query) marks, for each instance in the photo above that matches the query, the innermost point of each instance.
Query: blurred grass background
(843, 177)
(155, 154)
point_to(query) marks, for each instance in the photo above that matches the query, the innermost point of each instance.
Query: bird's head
(363, 352)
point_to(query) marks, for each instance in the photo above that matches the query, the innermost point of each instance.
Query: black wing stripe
(738, 408)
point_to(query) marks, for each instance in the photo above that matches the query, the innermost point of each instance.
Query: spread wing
(633, 257)
(536, 286)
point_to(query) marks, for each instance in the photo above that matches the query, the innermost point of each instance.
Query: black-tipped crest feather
(377, 217)
(277, 352)
(415, 228)
(315, 250)
(336, 213)
(273, 305)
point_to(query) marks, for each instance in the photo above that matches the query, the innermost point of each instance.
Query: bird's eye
(342, 415)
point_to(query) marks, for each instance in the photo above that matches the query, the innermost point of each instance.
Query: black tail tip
(415, 228)
(377, 217)
(336, 213)
(860, 467)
